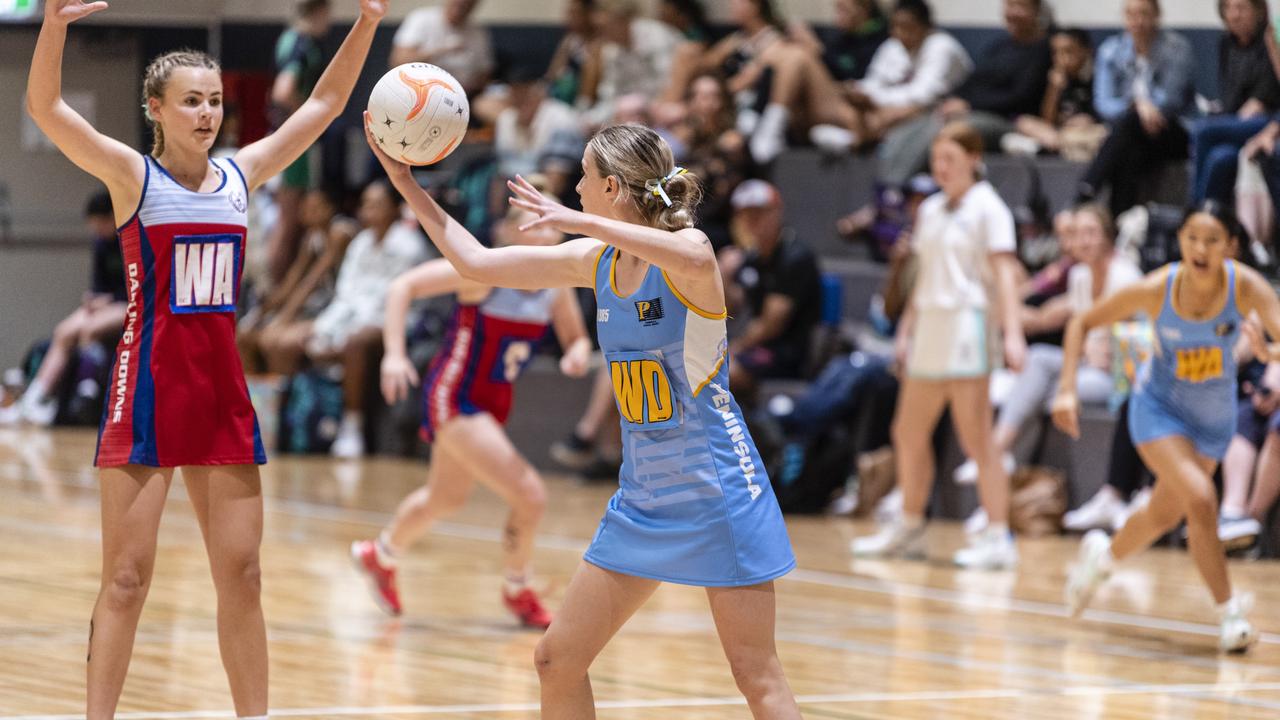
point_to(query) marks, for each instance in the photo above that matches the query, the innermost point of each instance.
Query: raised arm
(117, 165)
(269, 156)
(431, 278)
(1142, 297)
(525, 267)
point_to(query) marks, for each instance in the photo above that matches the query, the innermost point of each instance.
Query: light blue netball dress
(1188, 387)
(694, 505)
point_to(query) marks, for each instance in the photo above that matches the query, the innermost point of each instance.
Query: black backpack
(310, 411)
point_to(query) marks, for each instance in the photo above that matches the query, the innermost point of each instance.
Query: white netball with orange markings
(418, 113)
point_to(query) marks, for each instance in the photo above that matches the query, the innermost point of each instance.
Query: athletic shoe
(526, 606)
(1099, 512)
(381, 578)
(832, 139)
(349, 445)
(1093, 567)
(40, 413)
(894, 540)
(1236, 633)
(976, 522)
(967, 473)
(1237, 533)
(990, 550)
(1018, 144)
(573, 452)
(889, 509)
(1139, 501)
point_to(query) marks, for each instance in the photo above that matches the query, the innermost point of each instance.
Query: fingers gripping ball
(418, 113)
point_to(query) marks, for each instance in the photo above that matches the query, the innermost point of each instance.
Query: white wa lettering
(204, 274)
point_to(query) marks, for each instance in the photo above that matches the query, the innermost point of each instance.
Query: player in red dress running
(179, 397)
(466, 399)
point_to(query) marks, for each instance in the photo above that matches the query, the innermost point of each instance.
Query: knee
(555, 666)
(1202, 506)
(67, 331)
(126, 589)
(756, 677)
(241, 575)
(532, 494)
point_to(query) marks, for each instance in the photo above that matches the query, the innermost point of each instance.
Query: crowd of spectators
(883, 80)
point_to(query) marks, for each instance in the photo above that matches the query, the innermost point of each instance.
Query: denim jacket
(1171, 87)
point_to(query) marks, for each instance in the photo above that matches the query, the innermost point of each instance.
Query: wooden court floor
(858, 639)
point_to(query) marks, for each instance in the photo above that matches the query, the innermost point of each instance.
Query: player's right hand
(1066, 414)
(398, 375)
(63, 12)
(395, 169)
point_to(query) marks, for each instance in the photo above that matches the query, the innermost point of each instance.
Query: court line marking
(689, 702)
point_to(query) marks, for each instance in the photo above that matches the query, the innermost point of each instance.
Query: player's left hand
(1066, 414)
(576, 361)
(374, 9)
(1252, 329)
(549, 213)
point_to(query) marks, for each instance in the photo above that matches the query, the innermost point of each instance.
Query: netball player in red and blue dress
(179, 397)
(466, 399)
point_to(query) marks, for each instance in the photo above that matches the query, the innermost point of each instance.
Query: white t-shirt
(518, 149)
(896, 78)
(368, 268)
(470, 54)
(1121, 272)
(954, 246)
(641, 69)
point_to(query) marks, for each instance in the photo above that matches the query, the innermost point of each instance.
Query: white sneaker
(990, 550)
(1018, 144)
(967, 473)
(10, 415)
(1092, 568)
(1238, 532)
(1138, 502)
(770, 137)
(893, 541)
(832, 139)
(976, 523)
(1236, 633)
(889, 509)
(1100, 511)
(40, 412)
(349, 444)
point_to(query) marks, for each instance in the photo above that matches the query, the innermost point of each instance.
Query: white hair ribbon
(659, 186)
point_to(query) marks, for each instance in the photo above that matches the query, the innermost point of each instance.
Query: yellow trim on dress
(613, 274)
(710, 316)
(714, 371)
(595, 271)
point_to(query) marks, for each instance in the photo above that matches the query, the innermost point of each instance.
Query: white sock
(352, 421)
(912, 522)
(770, 137)
(1000, 529)
(514, 583)
(34, 394)
(386, 552)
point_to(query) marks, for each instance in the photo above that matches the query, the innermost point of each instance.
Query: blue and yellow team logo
(649, 312)
(1197, 365)
(643, 391)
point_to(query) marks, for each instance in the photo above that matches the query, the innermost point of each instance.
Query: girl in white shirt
(948, 344)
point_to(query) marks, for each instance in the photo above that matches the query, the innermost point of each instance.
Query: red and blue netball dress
(178, 395)
(486, 347)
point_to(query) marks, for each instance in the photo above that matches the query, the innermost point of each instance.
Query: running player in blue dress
(694, 504)
(1182, 412)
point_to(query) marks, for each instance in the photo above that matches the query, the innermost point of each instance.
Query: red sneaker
(382, 579)
(526, 606)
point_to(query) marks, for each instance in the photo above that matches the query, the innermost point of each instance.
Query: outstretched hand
(374, 9)
(395, 169)
(549, 212)
(64, 12)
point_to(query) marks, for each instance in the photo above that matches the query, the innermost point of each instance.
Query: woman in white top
(1100, 272)
(948, 340)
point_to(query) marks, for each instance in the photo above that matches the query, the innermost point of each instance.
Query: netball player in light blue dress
(694, 505)
(1182, 413)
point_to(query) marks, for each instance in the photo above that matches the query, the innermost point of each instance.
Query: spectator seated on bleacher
(635, 59)
(1252, 459)
(1067, 122)
(348, 332)
(688, 18)
(271, 334)
(1248, 95)
(859, 29)
(1143, 90)
(775, 277)
(574, 74)
(1099, 272)
(84, 337)
(445, 36)
(532, 123)
(1008, 80)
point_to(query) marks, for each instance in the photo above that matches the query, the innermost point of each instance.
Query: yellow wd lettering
(640, 386)
(1199, 364)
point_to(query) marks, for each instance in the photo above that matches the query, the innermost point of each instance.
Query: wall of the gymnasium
(1180, 13)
